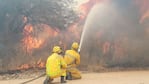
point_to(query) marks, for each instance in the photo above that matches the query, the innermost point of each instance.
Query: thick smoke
(16, 14)
(58, 14)
(114, 36)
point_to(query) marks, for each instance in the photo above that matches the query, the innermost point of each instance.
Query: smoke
(114, 35)
(58, 14)
(50, 20)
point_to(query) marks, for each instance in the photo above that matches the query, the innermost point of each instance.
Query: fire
(35, 37)
(86, 6)
(24, 66)
(50, 32)
(38, 64)
(144, 9)
(29, 41)
(28, 29)
(35, 40)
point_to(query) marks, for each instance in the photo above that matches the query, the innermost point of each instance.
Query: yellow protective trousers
(75, 73)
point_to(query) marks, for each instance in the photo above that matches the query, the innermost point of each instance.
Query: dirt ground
(124, 77)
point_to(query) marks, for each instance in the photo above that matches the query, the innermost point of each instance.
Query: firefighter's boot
(63, 80)
(69, 76)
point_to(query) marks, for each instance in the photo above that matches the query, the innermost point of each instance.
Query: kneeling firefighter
(55, 66)
(72, 58)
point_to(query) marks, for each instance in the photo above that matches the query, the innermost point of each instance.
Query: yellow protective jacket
(55, 66)
(72, 58)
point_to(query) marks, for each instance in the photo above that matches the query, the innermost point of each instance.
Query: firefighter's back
(53, 67)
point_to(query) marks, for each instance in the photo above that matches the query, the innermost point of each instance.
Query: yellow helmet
(75, 46)
(57, 49)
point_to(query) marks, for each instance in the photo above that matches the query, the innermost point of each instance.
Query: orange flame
(33, 39)
(39, 64)
(28, 29)
(24, 66)
(49, 31)
(86, 7)
(144, 9)
(29, 41)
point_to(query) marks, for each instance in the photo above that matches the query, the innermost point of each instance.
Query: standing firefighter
(72, 58)
(55, 66)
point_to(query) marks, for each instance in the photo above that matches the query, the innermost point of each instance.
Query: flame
(28, 29)
(86, 6)
(39, 64)
(23, 67)
(49, 30)
(35, 39)
(32, 42)
(144, 9)
(29, 41)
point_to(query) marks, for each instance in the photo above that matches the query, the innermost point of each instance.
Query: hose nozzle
(79, 50)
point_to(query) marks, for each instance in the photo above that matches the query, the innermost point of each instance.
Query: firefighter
(55, 66)
(72, 58)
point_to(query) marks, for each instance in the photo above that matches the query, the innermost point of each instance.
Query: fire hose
(33, 79)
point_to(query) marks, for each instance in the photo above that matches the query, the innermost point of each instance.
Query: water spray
(90, 22)
(81, 41)
(87, 23)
